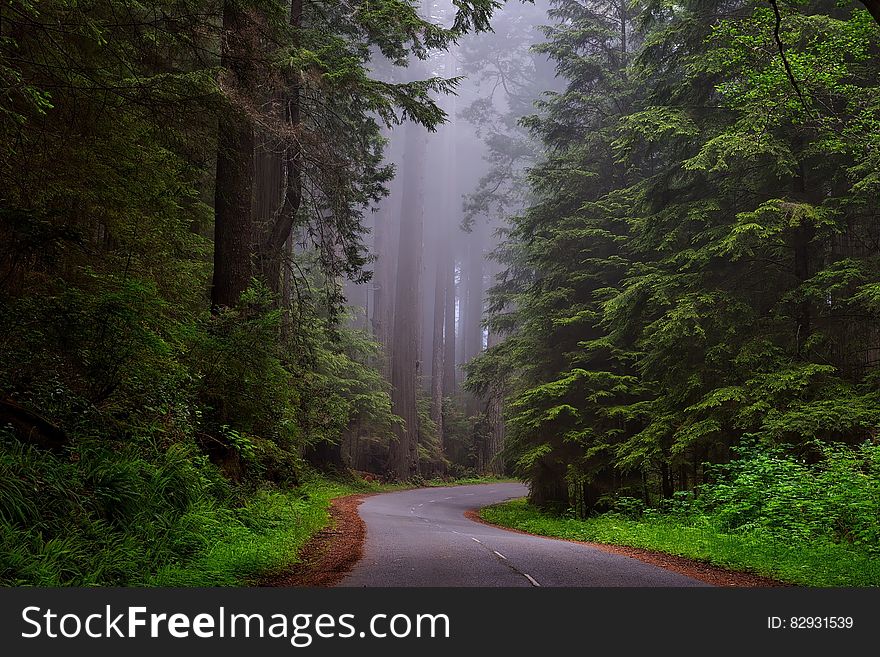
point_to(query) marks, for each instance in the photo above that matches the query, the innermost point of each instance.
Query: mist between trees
(603, 246)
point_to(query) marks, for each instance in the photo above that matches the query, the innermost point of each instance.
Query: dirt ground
(333, 551)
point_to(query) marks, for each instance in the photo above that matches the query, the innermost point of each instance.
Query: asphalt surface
(422, 538)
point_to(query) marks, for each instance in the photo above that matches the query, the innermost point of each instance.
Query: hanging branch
(777, 35)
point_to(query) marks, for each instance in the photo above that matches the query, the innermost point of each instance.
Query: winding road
(422, 538)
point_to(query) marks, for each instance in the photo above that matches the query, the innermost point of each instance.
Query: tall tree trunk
(430, 255)
(803, 265)
(385, 243)
(269, 184)
(437, 344)
(383, 283)
(473, 330)
(405, 350)
(495, 418)
(233, 226)
(449, 382)
(271, 251)
(665, 480)
(288, 288)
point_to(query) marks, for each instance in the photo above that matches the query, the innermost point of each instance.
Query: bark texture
(405, 357)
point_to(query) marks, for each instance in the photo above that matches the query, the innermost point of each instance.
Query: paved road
(421, 538)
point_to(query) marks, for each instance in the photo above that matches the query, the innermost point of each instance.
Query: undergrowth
(767, 512)
(146, 515)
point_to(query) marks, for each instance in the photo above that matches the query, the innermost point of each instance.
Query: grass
(267, 534)
(822, 564)
(139, 515)
(116, 518)
(265, 537)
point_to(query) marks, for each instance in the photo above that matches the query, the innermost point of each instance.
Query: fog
(434, 236)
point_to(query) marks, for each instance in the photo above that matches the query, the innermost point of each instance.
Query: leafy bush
(103, 513)
(176, 424)
(768, 490)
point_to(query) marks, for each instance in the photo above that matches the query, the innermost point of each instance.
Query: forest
(257, 254)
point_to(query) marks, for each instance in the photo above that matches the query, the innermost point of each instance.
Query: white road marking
(476, 540)
(531, 579)
(429, 501)
(499, 554)
(447, 498)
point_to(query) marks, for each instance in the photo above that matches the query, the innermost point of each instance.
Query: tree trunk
(232, 207)
(495, 418)
(271, 250)
(383, 284)
(473, 329)
(665, 480)
(449, 382)
(288, 288)
(803, 266)
(384, 247)
(269, 183)
(437, 345)
(233, 226)
(405, 350)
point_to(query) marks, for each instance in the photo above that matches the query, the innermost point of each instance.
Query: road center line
(506, 561)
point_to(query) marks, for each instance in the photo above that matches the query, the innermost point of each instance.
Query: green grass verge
(263, 537)
(806, 564)
(145, 515)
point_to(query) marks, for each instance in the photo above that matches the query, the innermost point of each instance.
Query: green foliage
(104, 514)
(699, 537)
(699, 261)
(135, 496)
(183, 430)
(835, 499)
(146, 516)
(432, 460)
(260, 538)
